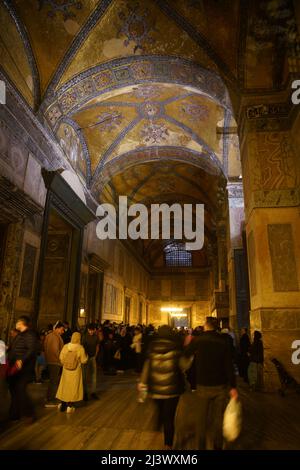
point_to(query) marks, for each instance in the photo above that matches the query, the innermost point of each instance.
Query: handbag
(232, 420)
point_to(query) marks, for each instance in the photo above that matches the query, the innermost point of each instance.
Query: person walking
(22, 354)
(136, 346)
(163, 378)
(215, 379)
(53, 345)
(70, 389)
(90, 342)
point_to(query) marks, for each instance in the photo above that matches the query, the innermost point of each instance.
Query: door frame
(62, 198)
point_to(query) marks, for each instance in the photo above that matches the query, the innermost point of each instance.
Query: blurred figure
(22, 354)
(214, 377)
(255, 369)
(40, 365)
(110, 348)
(244, 354)
(164, 379)
(52, 346)
(70, 389)
(137, 348)
(124, 341)
(90, 342)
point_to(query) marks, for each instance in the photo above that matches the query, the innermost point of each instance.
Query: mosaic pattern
(65, 7)
(150, 110)
(136, 27)
(154, 133)
(195, 111)
(108, 121)
(71, 144)
(122, 72)
(147, 92)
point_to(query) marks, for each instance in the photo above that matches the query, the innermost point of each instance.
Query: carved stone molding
(267, 116)
(15, 205)
(274, 198)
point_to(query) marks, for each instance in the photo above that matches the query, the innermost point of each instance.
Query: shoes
(70, 409)
(94, 396)
(62, 407)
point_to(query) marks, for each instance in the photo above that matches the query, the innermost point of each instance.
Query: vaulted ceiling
(125, 86)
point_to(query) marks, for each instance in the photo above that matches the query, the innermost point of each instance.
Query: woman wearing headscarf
(70, 388)
(164, 378)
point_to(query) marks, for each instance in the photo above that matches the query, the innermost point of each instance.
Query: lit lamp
(82, 313)
(174, 311)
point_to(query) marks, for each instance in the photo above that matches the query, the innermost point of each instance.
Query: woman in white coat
(70, 388)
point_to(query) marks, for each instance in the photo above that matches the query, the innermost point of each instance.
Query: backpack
(70, 361)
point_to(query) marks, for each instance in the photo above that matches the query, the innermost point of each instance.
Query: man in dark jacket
(164, 378)
(23, 355)
(214, 377)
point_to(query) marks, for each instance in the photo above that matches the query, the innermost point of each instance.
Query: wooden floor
(118, 422)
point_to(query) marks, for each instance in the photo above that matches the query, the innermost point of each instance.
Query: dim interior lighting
(171, 309)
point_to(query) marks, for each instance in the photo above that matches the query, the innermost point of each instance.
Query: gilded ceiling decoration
(131, 80)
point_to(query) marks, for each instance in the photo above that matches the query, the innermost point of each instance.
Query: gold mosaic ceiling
(117, 76)
(126, 83)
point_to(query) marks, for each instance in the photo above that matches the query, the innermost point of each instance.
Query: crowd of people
(167, 362)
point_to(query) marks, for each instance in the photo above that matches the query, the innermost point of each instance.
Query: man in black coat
(23, 355)
(163, 377)
(215, 378)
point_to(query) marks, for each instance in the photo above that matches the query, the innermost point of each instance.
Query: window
(176, 255)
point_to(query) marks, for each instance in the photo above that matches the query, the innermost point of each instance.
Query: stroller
(286, 380)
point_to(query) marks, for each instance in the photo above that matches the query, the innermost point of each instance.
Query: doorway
(59, 270)
(182, 320)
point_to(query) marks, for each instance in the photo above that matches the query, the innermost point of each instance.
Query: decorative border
(273, 198)
(79, 39)
(132, 71)
(9, 4)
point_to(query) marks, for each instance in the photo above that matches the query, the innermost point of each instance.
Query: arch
(141, 155)
(130, 71)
